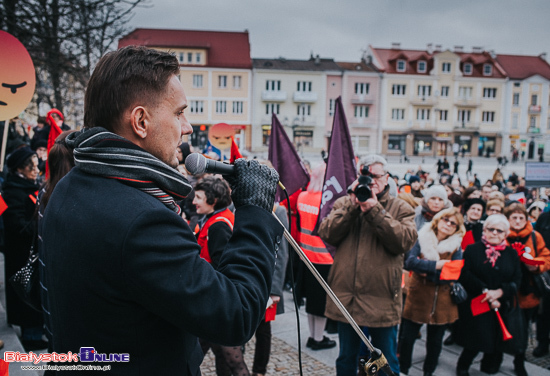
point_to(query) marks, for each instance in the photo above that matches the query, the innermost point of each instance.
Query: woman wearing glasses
(491, 267)
(429, 299)
(532, 243)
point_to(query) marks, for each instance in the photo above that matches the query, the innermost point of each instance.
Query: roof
(519, 67)
(361, 66)
(226, 49)
(313, 64)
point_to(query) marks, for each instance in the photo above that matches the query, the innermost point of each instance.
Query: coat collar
(431, 248)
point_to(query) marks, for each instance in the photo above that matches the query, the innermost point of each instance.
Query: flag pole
(4, 144)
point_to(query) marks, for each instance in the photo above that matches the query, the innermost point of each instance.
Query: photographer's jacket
(368, 263)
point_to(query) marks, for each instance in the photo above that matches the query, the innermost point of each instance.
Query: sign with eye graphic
(17, 77)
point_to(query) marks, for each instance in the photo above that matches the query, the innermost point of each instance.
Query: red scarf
(492, 251)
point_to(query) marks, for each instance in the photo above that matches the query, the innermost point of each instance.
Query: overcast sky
(343, 29)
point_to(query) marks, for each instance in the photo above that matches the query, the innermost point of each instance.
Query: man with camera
(372, 231)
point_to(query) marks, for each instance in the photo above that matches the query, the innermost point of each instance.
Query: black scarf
(100, 152)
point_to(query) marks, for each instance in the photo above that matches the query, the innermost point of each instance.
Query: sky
(343, 29)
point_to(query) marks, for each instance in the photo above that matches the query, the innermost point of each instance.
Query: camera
(363, 191)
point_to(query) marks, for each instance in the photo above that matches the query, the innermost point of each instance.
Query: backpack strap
(534, 237)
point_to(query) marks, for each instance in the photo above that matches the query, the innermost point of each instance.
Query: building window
(424, 90)
(488, 117)
(197, 81)
(445, 91)
(361, 88)
(272, 108)
(517, 84)
(304, 109)
(398, 89)
(423, 114)
(515, 121)
(221, 107)
(238, 107)
(361, 144)
(304, 86)
(422, 67)
(181, 55)
(398, 114)
(422, 144)
(515, 100)
(446, 67)
(197, 58)
(361, 111)
(222, 81)
(331, 104)
(237, 82)
(396, 142)
(464, 116)
(401, 65)
(443, 114)
(532, 122)
(273, 85)
(534, 99)
(196, 107)
(468, 68)
(489, 92)
(465, 92)
(189, 57)
(487, 69)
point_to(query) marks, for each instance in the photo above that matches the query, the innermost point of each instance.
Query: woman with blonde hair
(429, 298)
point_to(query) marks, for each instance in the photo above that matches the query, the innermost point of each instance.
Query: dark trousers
(543, 323)
(490, 362)
(434, 343)
(263, 348)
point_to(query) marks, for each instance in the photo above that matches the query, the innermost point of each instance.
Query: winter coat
(429, 299)
(527, 297)
(368, 263)
(20, 196)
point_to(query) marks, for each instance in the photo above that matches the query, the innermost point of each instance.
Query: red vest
(202, 237)
(314, 248)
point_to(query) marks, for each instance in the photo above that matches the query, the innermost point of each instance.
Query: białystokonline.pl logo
(86, 354)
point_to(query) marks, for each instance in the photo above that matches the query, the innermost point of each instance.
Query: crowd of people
(153, 261)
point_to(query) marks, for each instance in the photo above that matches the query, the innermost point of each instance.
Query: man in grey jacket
(371, 239)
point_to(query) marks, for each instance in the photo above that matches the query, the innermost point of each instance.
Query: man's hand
(369, 204)
(253, 184)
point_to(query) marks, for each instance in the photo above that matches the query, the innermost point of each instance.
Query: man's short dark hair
(124, 78)
(215, 188)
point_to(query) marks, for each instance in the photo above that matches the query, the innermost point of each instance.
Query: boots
(519, 365)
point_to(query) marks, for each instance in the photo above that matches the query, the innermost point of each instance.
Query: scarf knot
(493, 251)
(100, 152)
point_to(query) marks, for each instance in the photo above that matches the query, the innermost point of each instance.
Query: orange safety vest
(202, 237)
(314, 248)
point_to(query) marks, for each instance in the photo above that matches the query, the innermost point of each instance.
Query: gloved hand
(253, 184)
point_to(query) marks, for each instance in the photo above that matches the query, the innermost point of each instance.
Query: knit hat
(436, 191)
(472, 201)
(540, 204)
(413, 178)
(18, 157)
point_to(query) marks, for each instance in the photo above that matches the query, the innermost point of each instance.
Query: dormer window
(421, 67)
(401, 65)
(446, 67)
(487, 69)
(468, 68)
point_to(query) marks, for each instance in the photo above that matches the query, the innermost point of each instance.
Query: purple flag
(341, 167)
(282, 154)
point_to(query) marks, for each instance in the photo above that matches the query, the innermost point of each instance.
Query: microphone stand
(377, 361)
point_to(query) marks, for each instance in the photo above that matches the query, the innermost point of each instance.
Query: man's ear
(139, 119)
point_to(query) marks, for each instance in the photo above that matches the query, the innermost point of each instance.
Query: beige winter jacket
(368, 263)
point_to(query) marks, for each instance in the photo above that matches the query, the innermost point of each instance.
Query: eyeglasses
(449, 222)
(499, 231)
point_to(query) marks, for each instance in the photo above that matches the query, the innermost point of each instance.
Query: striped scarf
(100, 152)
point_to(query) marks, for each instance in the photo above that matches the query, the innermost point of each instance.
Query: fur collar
(430, 248)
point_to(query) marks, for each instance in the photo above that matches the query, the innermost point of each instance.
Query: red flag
(285, 159)
(477, 307)
(55, 131)
(451, 270)
(4, 368)
(3, 205)
(235, 153)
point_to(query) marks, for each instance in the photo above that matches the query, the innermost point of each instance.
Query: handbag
(542, 284)
(458, 293)
(26, 281)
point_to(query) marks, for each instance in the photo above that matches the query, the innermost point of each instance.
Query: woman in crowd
(212, 197)
(429, 299)
(19, 193)
(491, 267)
(521, 231)
(473, 212)
(494, 206)
(535, 210)
(435, 200)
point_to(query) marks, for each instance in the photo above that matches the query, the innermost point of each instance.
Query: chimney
(429, 48)
(369, 58)
(459, 48)
(493, 54)
(477, 49)
(317, 60)
(396, 46)
(437, 48)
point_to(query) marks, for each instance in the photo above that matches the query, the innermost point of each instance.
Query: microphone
(198, 164)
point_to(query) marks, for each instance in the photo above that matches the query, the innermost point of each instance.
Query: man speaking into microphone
(122, 268)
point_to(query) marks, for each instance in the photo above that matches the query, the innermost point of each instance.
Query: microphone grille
(195, 163)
